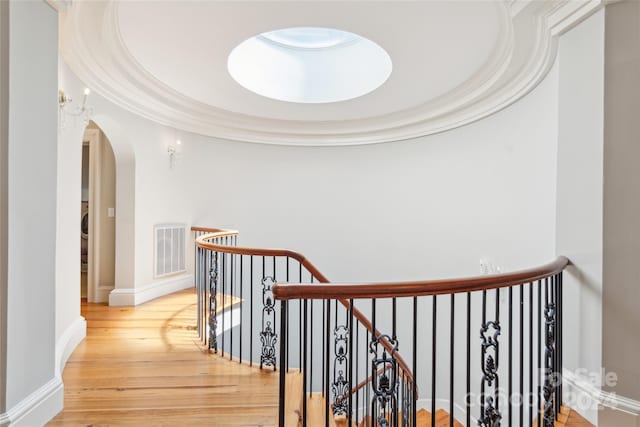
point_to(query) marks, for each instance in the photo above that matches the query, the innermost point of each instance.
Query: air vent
(169, 254)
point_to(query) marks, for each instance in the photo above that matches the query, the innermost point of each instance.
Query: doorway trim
(96, 291)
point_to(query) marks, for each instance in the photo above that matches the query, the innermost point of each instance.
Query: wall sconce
(174, 151)
(65, 109)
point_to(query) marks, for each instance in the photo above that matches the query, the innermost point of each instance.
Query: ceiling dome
(445, 63)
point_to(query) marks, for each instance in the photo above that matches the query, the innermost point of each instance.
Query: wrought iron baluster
(406, 402)
(213, 304)
(468, 368)
(283, 348)
(451, 357)
(340, 385)
(241, 306)
(268, 336)
(384, 384)
(350, 362)
(232, 293)
(327, 359)
(414, 415)
(539, 354)
(223, 295)
(531, 412)
(489, 332)
(251, 310)
(434, 340)
(549, 356)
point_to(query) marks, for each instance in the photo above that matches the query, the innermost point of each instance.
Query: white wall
(436, 204)
(580, 191)
(4, 162)
(31, 384)
(70, 326)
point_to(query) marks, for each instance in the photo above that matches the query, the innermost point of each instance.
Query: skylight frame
(278, 38)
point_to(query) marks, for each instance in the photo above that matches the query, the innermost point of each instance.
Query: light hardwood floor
(144, 366)
(576, 420)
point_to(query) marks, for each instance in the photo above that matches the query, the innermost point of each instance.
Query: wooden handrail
(203, 242)
(349, 292)
(214, 230)
(285, 291)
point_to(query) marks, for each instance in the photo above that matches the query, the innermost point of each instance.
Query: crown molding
(528, 39)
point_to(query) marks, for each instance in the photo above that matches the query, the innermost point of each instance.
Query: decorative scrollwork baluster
(213, 302)
(489, 414)
(549, 353)
(340, 386)
(384, 384)
(268, 336)
(406, 403)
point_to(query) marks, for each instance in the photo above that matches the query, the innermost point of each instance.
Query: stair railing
(487, 349)
(238, 317)
(486, 337)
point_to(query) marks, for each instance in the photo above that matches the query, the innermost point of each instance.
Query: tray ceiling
(453, 62)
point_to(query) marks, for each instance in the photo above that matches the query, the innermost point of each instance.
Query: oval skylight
(309, 65)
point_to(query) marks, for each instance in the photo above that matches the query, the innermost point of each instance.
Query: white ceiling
(453, 62)
(199, 39)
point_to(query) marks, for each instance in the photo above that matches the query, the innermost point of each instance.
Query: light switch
(111, 212)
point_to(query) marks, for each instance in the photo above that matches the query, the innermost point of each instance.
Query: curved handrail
(345, 293)
(287, 291)
(211, 230)
(202, 242)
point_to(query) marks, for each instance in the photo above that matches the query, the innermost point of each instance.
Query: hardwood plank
(146, 366)
(293, 398)
(576, 420)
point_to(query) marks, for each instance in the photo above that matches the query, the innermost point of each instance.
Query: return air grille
(169, 249)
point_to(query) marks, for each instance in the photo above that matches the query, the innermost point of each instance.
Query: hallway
(144, 365)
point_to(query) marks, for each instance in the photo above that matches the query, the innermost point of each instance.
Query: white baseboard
(142, 294)
(37, 408)
(46, 402)
(68, 342)
(102, 293)
(588, 399)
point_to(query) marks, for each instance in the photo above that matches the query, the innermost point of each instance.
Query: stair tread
(568, 418)
(316, 407)
(423, 419)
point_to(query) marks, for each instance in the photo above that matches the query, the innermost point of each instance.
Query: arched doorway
(125, 179)
(98, 218)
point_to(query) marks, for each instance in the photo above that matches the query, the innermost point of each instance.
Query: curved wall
(429, 207)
